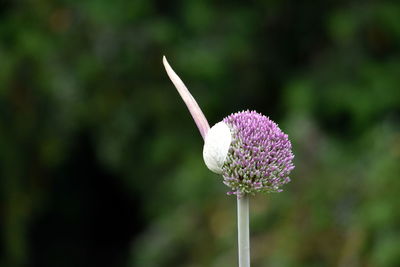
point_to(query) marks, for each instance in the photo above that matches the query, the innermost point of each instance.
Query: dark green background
(101, 163)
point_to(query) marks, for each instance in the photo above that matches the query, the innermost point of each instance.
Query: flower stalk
(243, 230)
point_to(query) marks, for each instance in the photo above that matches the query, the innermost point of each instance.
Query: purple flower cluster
(260, 155)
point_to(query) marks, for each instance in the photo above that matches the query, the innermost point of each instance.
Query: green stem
(243, 231)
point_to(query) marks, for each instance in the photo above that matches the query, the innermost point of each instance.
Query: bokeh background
(101, 163)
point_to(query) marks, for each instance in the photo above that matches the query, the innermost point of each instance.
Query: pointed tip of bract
(190, 102)
(180, 86)
(166, 65)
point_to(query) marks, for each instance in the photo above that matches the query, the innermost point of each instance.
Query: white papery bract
(216, 146)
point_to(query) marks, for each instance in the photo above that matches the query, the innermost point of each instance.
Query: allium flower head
(260, 155)
(248, 149)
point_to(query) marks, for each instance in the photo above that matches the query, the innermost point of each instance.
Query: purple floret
(260, 155)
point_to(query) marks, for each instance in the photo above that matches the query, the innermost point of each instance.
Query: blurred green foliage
(101, 164)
